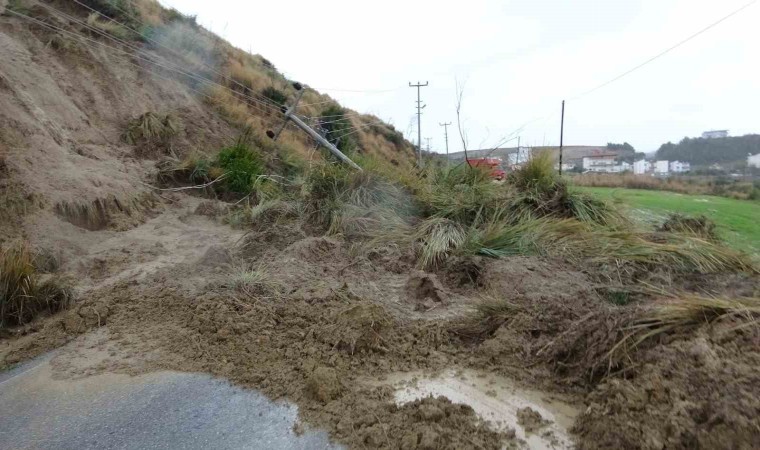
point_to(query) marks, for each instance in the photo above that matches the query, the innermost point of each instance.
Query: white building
(641, 167)
(661, 167)
(600, 163)
(715, 134)
(521, 156)
(605, 164)
(679, 167)
(753, 160)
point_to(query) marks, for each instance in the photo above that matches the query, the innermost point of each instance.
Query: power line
(367, 91)
(261, 98)
(84, 40)
(145, 55)
(357, 129)
(666, 51)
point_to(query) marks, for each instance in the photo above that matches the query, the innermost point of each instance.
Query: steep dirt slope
(69, 91)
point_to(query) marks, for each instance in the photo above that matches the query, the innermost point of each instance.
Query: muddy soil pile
(319, 318)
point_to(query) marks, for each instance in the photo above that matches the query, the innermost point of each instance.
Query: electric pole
(446, 134)
(518, 150)
(291, 116)
(420, 106)
(561, 136)
(428, 144)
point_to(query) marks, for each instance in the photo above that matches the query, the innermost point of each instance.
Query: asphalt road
(164, 410)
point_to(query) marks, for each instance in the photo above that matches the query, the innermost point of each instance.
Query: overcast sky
(517, 59)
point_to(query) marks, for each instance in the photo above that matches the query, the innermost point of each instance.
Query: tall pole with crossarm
(419, 119)
(446, 135)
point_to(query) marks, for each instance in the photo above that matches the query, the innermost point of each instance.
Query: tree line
(703, 152)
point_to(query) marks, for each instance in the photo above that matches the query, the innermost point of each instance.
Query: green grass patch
(738, 221)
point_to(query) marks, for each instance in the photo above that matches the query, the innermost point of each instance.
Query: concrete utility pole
(446, 134)
(420, 106)
(561, 136)
(518, 151)
(289, 115)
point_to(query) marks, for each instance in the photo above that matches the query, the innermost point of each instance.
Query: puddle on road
(495, 399)
(40, 409)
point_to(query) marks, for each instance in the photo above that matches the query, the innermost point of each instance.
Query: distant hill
(704, 152)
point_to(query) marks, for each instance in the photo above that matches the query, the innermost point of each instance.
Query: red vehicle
(492, 165)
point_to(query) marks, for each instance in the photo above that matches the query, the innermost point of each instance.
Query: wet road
(164, 410)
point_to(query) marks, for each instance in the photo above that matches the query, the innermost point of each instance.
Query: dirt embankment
(307, 319)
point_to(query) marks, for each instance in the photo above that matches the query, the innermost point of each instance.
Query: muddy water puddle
(495, 399)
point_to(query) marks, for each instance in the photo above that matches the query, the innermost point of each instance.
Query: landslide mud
(324, 318)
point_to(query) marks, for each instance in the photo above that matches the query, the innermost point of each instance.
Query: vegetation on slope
(24, 294)
(245, 89)
(445, 211)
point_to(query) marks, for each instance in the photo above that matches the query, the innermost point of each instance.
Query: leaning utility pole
(420, 106)
(290, 115)
(446, 134)
(561, 135)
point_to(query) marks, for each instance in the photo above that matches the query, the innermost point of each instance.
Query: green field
(738, 221)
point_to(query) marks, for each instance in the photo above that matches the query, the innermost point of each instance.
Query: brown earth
(321, 319)
(163, 284)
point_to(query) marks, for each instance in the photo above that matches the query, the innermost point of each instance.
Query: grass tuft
(23, 294)
(682, 312)
(700, 226)
(537, 174)
(152, 128)
(256, 283)
(488, 316)
(114, 29)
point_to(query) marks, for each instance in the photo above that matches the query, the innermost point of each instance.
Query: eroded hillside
(71, 82)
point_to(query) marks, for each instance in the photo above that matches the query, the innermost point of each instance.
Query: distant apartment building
(604, 163)
(715, 134)
(599, 163)
(522, 155)
(679, 167)
(641, 167)
(753, 161)
(661, 167)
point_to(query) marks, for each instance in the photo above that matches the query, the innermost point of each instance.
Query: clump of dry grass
(542, 193)
(438, 237)
(682, 312)
(23, 294)
(152, 128)
(536, 174)
(256, 283)
(343, 200)
(581, 241)
(110, 27)
(700, 226)
(489, 314)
